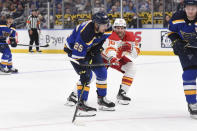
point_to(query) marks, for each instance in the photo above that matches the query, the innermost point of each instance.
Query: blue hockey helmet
(100, 18)
(190, 2)
(9, 17)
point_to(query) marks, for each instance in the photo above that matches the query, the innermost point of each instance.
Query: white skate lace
(106, 100)
(193, 106)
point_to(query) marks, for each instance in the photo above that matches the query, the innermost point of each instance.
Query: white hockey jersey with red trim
(113, 46)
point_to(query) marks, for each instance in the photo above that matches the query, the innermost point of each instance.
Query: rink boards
(153, 41)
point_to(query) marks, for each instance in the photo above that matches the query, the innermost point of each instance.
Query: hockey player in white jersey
(120, 48)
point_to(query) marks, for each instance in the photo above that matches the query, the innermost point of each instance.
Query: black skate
(31, 51)
(85, 110)
(39, 51)
(4, 71)
(122, 98)
(72, 99)
(105, 104)
(13, 70)
(193, 110)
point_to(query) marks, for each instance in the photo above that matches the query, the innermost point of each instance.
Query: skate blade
(70, 103)
(123, 102)
(86, 114)
(14, 72)
(193, 116)
(2, 73)
(103, 108)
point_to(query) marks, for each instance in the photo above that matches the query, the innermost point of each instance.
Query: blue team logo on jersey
(165, 41)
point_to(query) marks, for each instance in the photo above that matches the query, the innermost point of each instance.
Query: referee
(33, 26)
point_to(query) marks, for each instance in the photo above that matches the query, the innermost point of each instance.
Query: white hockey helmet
(119, 22)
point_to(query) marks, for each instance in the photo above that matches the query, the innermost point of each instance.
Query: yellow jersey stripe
(108, 33)
(170, 33)
(3, 25)
(91, 41)
(178, 21)
(85, 26)
(12, 28)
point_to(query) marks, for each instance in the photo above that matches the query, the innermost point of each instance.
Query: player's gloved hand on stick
(84, 72)
(179, 47)
(13, 42)
(114, 62)
(95, 51)
(84, 77)
(68, 51)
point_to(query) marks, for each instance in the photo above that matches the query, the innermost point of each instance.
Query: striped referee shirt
(33, 22)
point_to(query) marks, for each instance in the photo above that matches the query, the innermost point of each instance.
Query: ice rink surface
(33, 99)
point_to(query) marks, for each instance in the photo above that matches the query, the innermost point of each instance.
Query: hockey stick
(77, 106)
(83, 86)
(47, 45)
(91, 65)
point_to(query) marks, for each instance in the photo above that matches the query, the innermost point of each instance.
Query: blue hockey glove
(13, 42)
(68, 51)
(84, 77)
(179, 47)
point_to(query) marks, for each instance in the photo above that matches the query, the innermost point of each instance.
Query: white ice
(33, 100)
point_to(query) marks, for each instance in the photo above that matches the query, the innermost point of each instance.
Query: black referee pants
(34, 37)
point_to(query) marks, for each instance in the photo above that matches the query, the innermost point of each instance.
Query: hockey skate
(4, 71)
(31, 51)
(38, 51)
(105, 105)
(13, 70)
(193, 110)
(85, 110)
(72, 99)
(122, 98)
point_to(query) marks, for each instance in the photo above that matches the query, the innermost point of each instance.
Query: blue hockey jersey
(6, 32)
(182, 28)
(83, 38)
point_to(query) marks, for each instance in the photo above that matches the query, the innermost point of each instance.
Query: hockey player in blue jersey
(183, 27)
(7, 30)
(85, 46)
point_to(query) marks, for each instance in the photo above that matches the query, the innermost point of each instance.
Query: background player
(184, 42)
(119, 48)
(7, 30)
(84, 45)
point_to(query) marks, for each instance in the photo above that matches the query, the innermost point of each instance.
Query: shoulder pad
(2, 23)
(130, 36)
(88, 33)
(179, 15)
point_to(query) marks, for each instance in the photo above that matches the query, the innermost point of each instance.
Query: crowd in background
(20, 9)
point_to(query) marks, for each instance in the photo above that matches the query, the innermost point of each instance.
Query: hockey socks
(189, 85)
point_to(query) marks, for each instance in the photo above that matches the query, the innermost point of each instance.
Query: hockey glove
(84, 77)
(126, 47)
(84, 72)
(3, 47)
(68, 51)
(13, 42)
(114, 62)
(94, 51)
(179, 47)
